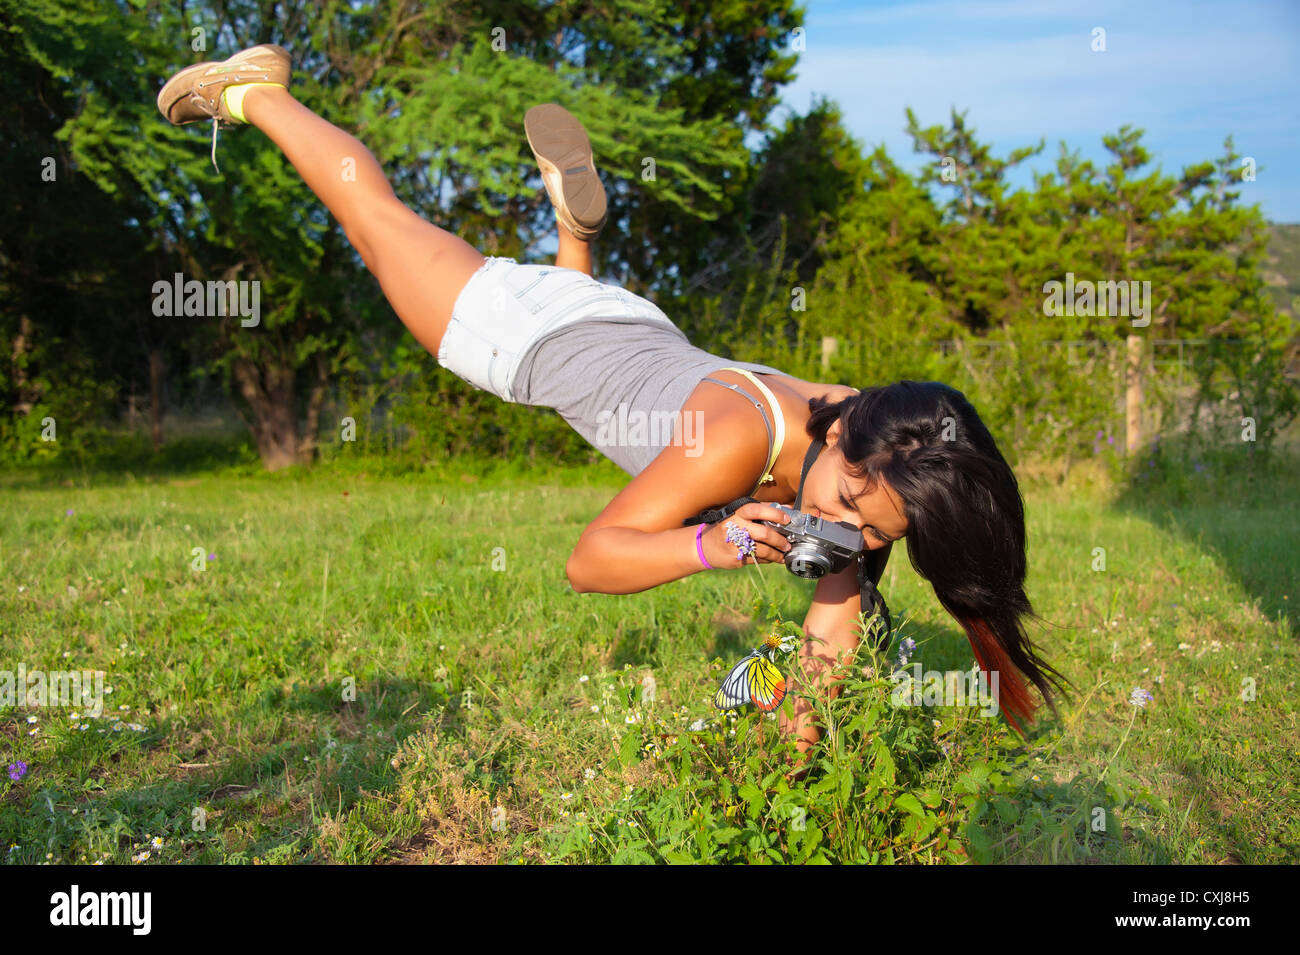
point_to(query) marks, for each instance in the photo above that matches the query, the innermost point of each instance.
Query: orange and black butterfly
(755, 679)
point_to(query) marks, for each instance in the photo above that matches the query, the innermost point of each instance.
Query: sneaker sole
(568, 166)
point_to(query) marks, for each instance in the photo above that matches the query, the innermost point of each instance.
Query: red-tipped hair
(1014, 696)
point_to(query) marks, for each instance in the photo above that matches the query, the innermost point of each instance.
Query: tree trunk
(155, 397)
(271, 400)
(1133, 380)
(22, 393)
(315, 400)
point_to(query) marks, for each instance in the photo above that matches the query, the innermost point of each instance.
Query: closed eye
(875, 533)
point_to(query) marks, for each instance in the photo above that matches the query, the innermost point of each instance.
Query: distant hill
(1282, 265)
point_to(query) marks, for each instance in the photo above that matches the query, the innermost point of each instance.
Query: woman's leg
(421, 267)
(573, 253)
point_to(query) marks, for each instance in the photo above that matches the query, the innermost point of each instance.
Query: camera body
(819, 546)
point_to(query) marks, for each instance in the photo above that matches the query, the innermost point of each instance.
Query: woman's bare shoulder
(814, 389)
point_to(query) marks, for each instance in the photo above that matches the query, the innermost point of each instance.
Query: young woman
(905, 460)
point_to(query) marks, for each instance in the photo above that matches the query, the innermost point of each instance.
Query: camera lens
(807, 561)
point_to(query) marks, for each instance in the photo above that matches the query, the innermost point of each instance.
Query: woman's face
(832, 492)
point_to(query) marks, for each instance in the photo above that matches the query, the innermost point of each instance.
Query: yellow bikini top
(775, 441)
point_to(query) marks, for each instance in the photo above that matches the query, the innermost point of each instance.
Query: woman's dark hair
(965, 518)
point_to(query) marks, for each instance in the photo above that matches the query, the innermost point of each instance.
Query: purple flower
(212, 557)
(69, 512)
(1199, 466)
(1096, 449)
(1140, 697)
(1110, 439)
(17, 770)
(1100, 435)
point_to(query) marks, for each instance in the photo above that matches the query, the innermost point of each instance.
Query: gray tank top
(620, 385)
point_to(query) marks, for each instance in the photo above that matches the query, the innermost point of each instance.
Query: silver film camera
(819, 546)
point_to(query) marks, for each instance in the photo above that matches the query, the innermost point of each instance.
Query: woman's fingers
(769, 544)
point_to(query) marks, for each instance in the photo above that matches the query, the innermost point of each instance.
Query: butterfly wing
(766, 685)
(734, 690)
(755, 679)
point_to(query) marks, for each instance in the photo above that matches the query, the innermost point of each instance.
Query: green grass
(469, 693)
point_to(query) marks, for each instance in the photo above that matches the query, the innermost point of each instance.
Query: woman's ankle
(245, 100)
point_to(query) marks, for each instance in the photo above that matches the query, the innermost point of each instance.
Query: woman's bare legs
(421, 268)
(573, 252)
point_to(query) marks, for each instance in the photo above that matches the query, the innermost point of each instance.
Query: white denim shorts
(506, 308)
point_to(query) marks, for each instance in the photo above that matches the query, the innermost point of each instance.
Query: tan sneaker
(195, 92)
(568, 168)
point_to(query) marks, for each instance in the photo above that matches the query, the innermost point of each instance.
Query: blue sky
(1188, 73)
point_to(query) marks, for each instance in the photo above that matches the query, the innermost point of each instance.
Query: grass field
(392, 668)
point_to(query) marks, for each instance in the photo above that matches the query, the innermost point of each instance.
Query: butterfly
(755, 679)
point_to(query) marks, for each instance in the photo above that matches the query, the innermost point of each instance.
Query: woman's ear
(833, 433)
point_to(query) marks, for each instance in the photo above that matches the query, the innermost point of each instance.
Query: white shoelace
(215, 123)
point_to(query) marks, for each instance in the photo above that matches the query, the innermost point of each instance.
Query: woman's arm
(833, 619)
(638, 541)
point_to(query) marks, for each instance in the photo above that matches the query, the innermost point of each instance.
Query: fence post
(1133, 395)
(829, 344)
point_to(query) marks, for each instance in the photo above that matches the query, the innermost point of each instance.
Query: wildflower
(566, 796)
(1140, 697)
(630, 718)
(212, 557)
(588, 774)
(905, 648)
(157, 842)
(69, 512)
(789, 643)
(595, 708)
(697, 726)
(583, 678)
(33, 719)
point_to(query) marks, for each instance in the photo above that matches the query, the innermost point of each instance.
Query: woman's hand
(769, 545)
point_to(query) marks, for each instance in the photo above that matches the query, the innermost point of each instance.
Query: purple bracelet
(699, 549)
